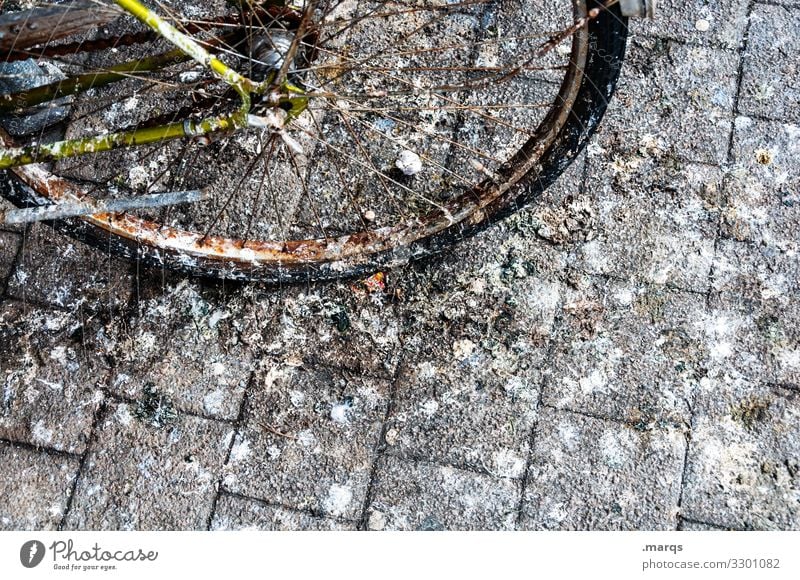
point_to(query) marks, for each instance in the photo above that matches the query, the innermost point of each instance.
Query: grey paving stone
(757, 340)
(655, 208)
(757, 313)
(756, 271)
(784, 343)
(627, 352)
(657, 218)
(744, 457)
(558, 217)
(477, 331)
(235, 513)
(34, 488)
(770, 85)
(59, 271)
(477, 323)
(674, 101)
(471, 403)
(425, 496)
(9, 247)
(349, 325)
(762, 203)
(463, 408)
(500, 289)
(149, 469)
(708, 22)
(195, 348)
(51, 377)
(600, 475)
(308, 440)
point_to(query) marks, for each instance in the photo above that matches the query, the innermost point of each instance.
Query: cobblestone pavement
(623, 355)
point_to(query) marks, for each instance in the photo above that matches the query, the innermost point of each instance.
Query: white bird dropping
(409, 163)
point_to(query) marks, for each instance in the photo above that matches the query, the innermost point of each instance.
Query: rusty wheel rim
(193, 250)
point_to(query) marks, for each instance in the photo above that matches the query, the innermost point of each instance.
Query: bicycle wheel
(413, 124)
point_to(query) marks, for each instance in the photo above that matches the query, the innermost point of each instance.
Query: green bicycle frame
(186, 45)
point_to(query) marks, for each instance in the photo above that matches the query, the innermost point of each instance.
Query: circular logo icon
(31, 553)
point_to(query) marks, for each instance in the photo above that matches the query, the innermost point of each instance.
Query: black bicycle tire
(607, 45)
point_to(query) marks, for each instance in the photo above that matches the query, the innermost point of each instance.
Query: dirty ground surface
(623, 355)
